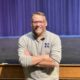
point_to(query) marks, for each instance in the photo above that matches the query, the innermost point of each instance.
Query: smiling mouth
(39, 27)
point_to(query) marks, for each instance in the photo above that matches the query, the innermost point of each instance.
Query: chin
(38, 33)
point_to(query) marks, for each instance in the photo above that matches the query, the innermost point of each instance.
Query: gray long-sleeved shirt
(49, 44)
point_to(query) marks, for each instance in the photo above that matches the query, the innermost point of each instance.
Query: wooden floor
(15, 72)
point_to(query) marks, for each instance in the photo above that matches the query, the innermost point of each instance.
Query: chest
(39, 47)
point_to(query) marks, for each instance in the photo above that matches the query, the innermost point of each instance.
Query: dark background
(70, 50)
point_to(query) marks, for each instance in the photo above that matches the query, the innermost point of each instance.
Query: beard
(38, 31)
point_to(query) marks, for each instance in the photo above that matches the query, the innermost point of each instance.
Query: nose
(38, 23)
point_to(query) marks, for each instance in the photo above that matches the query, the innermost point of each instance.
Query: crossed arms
(40, 60)
(26, 59)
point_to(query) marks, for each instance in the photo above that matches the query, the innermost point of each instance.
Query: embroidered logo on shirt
(47, 45)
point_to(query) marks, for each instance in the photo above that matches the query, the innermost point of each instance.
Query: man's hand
(45, 57)
(47, 62)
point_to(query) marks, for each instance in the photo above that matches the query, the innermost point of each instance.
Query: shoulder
(52, 35)
(53, 38)
(26, 36)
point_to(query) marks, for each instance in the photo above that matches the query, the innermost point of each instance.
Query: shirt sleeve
(56, 49)
(22, 46)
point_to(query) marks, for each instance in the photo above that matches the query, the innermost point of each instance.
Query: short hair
(39, 13)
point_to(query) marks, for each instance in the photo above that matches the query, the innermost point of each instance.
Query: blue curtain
(63, 16)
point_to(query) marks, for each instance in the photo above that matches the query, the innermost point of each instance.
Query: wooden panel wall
(70, 71)
(15, 72)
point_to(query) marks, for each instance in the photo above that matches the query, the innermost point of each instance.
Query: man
(40, 51)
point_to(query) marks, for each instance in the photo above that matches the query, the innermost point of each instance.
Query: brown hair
(39, 13)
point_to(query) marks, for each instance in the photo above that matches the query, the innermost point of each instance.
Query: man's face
(38, 24)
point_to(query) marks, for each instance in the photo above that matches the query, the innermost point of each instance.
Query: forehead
(38, 17)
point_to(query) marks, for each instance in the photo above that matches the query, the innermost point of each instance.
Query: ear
(45, 23)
